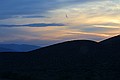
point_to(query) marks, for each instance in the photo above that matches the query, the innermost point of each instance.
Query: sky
(46, 22)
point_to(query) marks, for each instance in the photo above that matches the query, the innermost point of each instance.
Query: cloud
(103, 27)
(44, 24)
(33, 16)
(11, 8)
(35, 25)
(44, 36)
(98, 29)
(88, 19)
(110, 24)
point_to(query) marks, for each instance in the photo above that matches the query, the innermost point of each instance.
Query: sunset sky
(45, 22)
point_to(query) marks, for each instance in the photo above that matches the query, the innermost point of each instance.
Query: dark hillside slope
(76, 46)
(67, 54)
(52, 61)
(72, 60)
(112, 45)
(112, 40)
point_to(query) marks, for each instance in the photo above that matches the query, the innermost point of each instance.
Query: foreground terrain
(72, 60)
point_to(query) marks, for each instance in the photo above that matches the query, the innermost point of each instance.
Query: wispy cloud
(12, 8)
(33, 16)
(35, 25)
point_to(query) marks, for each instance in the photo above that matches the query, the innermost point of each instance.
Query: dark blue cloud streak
(34, 16)
(35, 25)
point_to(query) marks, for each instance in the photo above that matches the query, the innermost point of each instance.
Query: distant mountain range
(71, 60)
(17, 47)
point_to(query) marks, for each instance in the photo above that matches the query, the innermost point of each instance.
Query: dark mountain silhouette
(81, 46)
(17, 47)
(111, 41)
(71, 60)
(112, 44)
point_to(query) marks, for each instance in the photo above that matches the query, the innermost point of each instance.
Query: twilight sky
(45, 22)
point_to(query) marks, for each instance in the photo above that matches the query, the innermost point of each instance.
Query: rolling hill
(71, 60)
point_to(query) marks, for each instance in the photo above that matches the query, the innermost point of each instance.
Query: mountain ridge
(72, 60)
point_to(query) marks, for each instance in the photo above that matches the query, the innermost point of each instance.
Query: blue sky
(44, 22)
